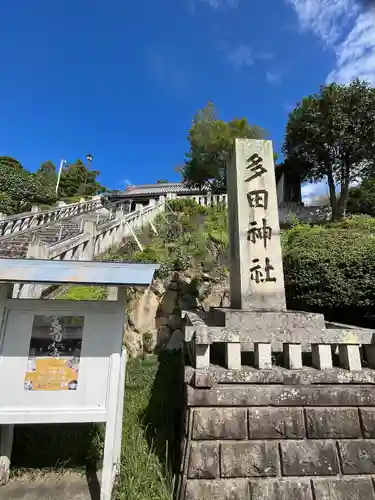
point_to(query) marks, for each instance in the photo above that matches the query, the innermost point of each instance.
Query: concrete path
(52, 486)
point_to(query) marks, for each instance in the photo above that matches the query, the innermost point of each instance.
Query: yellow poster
(54, 354)
(52, 374)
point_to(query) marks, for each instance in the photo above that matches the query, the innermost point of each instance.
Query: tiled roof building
(288, 191)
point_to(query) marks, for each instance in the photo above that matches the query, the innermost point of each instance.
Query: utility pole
(89, 159)
(62, 163)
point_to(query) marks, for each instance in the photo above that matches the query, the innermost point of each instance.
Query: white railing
(90, 242)
(94, 239)
(30, 220)
(214, 199)
(287, 210)
(208, 200)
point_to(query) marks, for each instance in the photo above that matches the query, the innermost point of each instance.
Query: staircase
(66, 233)
(15, 245)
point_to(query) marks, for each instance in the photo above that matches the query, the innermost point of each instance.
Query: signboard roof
(75, 271)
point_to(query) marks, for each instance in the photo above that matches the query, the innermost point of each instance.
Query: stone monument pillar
(269, 426)
(256, 270)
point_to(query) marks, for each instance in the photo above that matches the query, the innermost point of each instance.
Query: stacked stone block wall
(279, 442)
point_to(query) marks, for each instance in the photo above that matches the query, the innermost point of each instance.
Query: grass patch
(151, 435)
(151, 432)
(83, 292)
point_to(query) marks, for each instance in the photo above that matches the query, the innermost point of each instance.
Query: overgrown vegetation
(195, 236)
(328, 268)
(57, 446)
(362, 198)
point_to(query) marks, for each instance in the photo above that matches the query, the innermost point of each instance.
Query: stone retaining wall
(278, 442)
(296, 426)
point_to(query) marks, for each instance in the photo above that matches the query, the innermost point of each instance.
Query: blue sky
(122, 80)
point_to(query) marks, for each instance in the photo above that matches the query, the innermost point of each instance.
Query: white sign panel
(59, 354)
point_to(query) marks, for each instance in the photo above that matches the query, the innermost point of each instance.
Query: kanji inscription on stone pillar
(256, 269)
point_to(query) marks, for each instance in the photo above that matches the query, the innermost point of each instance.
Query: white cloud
(240, 56)
(265, 56)
(310, 192)
(222, 4)
(273, 77)
(356, 55)
(347, 29)
(169, 70)
(325, 18)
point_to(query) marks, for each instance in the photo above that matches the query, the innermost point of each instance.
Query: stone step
(51, 486)
(16, 246)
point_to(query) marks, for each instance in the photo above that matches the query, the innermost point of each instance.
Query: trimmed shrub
(331, 269)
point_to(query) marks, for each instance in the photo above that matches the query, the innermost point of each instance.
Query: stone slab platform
(293, 327)
(52, 486)
(215, 375)
(261, 320)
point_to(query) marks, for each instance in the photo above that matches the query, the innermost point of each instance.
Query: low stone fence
(278, 428)
(311, 335)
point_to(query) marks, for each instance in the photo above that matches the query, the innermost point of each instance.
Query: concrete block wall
(278, 442)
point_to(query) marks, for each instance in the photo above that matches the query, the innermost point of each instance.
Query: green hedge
(331, 269)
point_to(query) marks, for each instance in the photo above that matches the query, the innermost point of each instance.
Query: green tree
(162, 181)
(211, 143)
(362, 198)
(8, 161)
(40, 190)
(77, 180)
(47, 173)
(48, 168)
(72, 178)
(20, 188)
(330, 135)
(6, 204)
